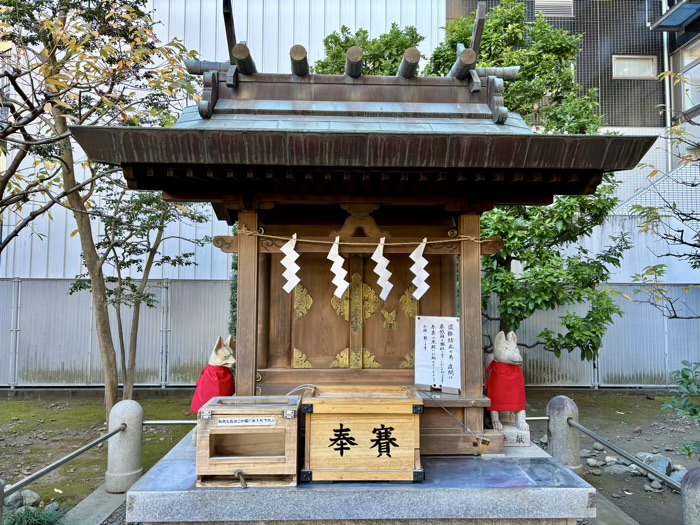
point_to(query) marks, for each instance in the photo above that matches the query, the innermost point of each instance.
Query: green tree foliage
(686, 399)
(546, 92)
(382, 55)
(536, 270)
(533, 271)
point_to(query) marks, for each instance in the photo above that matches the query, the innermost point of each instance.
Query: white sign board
(437, 354)
(246, 422)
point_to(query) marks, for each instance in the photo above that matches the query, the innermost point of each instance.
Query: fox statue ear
(219, 344)
(512, 338)
(230, 342)
(500, 338)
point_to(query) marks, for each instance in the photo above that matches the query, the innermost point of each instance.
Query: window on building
(686, 86)
(691, 88)
(690, 53)
(634, 67)
(555, 8)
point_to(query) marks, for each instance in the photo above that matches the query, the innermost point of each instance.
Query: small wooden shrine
(360, 158)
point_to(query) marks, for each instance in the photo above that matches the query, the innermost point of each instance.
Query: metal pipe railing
(53, 466)
(170, 422)
(537, 418)
(663, 477)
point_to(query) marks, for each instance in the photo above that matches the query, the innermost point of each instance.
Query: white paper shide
(418, 269)
(290, 266)
(381, 270)
(337, 269)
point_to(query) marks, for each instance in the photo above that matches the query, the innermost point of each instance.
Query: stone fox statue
(216, 379)
(505, 382)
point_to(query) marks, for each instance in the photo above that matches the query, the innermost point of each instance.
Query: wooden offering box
(248, 441)
(362, 433)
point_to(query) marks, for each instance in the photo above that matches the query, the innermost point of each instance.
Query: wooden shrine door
(359, 330)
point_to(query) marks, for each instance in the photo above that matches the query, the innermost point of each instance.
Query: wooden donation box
(361, 433)
(248, 441)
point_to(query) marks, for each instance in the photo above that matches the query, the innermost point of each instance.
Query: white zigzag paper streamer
(381, 270)
(290, 265)
(337, 268)
(419, 271)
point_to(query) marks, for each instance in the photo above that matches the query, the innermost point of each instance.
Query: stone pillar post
(124, 457)
(690, 497)
(563, 440)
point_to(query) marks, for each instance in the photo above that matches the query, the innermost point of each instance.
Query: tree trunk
(120, 330)
(133, 340)
(122, 349)
(94, 268)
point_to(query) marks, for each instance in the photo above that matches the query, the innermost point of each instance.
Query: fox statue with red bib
(505, 382)
(216, 380)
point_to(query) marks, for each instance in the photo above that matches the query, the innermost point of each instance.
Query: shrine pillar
(470, 318)
(247, 327)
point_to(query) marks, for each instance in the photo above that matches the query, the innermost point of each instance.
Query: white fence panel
(684, 334)
(148, 347)
(54, 334)
(7, 311)
(199, 314)
(634, 348)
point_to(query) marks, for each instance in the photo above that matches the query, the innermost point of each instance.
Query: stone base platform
(457, 491)
(513, 437)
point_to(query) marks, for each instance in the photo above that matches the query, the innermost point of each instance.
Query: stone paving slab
(94, 509)
(456, 488)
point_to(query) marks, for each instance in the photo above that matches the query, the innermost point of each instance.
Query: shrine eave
(202, 163)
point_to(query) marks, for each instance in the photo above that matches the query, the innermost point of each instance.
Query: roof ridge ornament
(468, 57)
(495, 90)
(230, 26)
(353, 86)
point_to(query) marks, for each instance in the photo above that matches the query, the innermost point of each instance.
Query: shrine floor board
(528, 488)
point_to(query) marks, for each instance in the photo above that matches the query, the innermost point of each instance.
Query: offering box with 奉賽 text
(248, 441)
(362, 433)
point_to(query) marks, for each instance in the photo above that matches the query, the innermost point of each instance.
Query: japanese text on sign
(342, 440)
(246, 421)
(437, 353)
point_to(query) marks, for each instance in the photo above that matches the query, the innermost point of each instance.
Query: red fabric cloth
(505, 387)
(214, 381)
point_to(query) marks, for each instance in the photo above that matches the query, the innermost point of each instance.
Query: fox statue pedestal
(514, 437)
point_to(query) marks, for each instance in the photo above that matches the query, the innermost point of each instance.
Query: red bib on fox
(505, 387)
(215, 381)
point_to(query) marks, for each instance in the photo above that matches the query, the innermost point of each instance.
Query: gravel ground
(118, 517)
